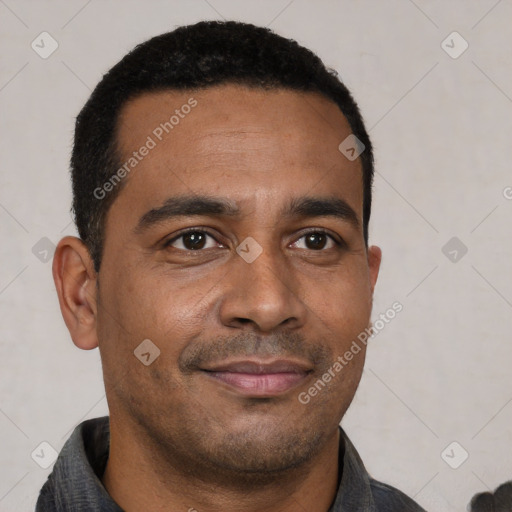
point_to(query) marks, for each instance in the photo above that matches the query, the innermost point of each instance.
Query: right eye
(191, 240)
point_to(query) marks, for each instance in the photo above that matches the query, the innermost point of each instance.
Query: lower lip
(260, 385)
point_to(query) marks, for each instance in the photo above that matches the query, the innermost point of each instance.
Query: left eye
(191, 241)
(317, 240)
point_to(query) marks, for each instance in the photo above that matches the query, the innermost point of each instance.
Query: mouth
(259, 379)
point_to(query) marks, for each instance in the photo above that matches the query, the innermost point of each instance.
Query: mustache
(281, 345)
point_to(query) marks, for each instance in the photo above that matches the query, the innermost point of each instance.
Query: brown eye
(195, 240)
(317, 241)
(191, 241)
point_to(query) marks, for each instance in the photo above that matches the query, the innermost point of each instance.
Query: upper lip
(260, 367)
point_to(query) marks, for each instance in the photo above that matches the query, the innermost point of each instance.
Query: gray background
(440, 371)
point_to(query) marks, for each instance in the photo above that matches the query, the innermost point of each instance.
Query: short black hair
(190, 57)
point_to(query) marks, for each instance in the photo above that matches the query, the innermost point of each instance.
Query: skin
(181, 439)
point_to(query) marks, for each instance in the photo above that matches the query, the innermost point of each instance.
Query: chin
(264, 448)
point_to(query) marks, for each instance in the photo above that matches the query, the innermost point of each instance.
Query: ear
(75, 281)
(374, 260)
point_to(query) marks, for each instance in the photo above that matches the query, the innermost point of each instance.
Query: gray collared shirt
(75, 482)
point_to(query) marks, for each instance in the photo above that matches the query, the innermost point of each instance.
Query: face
(236, 247)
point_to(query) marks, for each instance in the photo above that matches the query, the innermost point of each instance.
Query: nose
(264, 295)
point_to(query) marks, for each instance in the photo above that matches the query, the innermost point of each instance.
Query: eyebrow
(187, 206)
(310, 207)
(203, 205)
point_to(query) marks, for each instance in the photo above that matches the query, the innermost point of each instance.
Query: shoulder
(388, 498)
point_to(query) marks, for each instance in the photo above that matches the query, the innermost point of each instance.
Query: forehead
(246, 142)
(221, 105)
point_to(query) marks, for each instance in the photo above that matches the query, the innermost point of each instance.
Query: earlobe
(374, 260)
(75, 281)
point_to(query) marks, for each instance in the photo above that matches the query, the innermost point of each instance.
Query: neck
(138, 479)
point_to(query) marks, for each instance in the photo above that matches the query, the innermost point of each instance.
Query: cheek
(341, 302)
(143, 305)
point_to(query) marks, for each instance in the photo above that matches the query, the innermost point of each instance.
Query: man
(222, 190)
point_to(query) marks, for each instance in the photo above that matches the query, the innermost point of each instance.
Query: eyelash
(200, 229)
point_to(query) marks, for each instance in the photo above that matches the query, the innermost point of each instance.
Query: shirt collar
(74, 483)
(354, 490)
